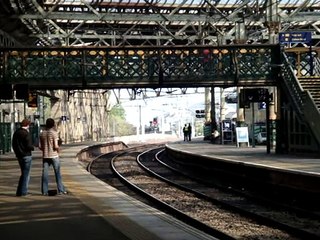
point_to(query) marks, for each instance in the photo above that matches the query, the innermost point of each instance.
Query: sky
(177, 105)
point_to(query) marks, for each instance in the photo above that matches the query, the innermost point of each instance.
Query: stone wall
(82, 115)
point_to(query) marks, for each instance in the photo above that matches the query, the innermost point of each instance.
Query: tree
(118, 124)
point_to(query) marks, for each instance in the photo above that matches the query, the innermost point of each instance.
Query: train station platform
(92, 209)
(257, 155)
(295, 173)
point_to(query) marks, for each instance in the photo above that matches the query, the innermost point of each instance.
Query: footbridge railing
(292, 84)
(131, 67)
(302, 100)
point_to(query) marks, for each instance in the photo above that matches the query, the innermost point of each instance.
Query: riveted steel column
(240, 39)
(273, 24)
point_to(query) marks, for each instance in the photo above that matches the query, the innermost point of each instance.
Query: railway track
(223, 214)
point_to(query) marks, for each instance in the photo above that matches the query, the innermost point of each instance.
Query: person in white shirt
(50, 156)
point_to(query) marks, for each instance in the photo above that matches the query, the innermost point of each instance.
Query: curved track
(296, 221)
(217, 212)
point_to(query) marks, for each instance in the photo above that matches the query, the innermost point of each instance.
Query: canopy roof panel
(148, 22)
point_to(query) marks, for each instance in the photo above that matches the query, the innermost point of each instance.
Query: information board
(242, 135)
(295, 37)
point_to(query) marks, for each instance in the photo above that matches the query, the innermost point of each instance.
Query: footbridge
(141, 67)
(295, 73)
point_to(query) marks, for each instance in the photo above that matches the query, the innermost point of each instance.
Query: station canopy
(152, 22)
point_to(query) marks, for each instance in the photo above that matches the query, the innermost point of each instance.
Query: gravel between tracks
(204, 211)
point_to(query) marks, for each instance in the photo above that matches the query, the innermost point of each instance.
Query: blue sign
(295, 37)
(262, 105)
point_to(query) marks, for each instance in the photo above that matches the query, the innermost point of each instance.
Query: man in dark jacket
(22, 147)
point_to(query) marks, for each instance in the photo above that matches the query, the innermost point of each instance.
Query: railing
(5, 138)
(312, 115)
(305, 61)
(292, 85)
(316, 67)
(303, 101)
(165, 66)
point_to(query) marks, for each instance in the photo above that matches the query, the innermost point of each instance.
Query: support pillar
(208, 108)
(273, 24)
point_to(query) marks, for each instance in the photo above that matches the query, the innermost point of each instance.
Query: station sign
(242, 135)
(64, 118)
(22, 91)
(260, 95)
(200, 113)
(255, 94)
(226, 125)
(6, 91)
(33, 100)
(262, 105)
(295, 37)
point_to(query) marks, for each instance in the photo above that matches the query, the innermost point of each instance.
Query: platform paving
(250, 155)
(92, 209)
(38, 217)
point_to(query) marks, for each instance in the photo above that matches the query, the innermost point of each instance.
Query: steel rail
(162, 205)
(257, 217)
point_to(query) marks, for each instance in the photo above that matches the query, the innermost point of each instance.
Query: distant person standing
(185, 132)
(189, 132)
(22, 147)
(50, 156)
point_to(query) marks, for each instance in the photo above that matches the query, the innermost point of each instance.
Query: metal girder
(146, 22)
(7, 41)
(126, 17)
(140, 67)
